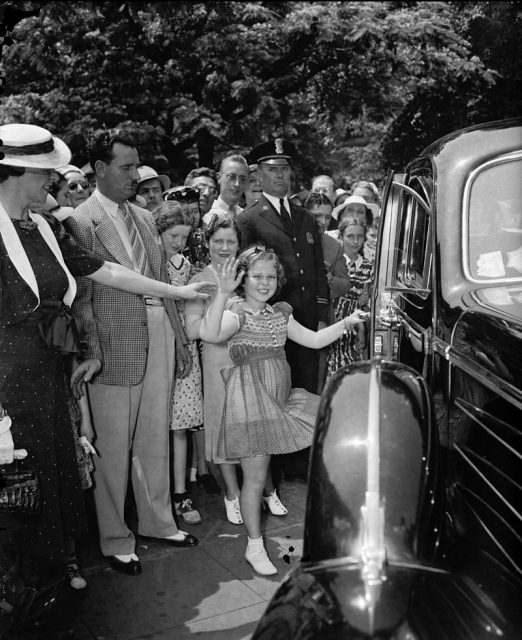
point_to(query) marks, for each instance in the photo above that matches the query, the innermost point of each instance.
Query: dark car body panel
(446, 348)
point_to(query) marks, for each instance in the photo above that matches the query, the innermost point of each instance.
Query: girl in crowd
(223, 240)
(360, 271)
(196, 252)
(174, 227)
(37, 336)
(262, 415)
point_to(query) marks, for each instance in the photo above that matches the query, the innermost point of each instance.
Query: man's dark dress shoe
(132, 568)
(188, 541)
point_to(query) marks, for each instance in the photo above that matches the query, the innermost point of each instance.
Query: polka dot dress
(187, 407)
(32, 390)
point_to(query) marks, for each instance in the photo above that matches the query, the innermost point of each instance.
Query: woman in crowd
(174, 226)
(262, 415)
(367, 190)
(38, 263)
(355, 206)
(320, 207)
(360, 272)
(78, 184)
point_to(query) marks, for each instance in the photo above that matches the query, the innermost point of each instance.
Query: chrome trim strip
(465, 407)
(493, 382)
(495, 541)
(487, 482)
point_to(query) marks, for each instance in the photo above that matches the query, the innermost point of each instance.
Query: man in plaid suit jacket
(134, 338)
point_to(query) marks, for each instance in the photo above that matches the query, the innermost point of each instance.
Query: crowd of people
(131, 308)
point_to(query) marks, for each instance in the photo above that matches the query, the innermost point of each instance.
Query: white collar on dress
(18, 256)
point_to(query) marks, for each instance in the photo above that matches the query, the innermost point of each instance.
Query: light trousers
(135, 420)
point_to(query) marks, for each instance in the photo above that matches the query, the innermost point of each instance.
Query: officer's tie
(284, 214)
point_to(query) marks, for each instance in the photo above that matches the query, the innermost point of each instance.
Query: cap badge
(279, 145)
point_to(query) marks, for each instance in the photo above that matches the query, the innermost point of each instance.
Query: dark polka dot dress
(32, 390)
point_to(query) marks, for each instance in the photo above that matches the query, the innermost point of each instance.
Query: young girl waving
(262, 415)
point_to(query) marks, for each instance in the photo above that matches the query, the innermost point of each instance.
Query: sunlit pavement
(205, 592)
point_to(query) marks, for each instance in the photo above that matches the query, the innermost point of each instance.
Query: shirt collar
(109, 205)
(356, 263)
(275, 201)
(268, 309)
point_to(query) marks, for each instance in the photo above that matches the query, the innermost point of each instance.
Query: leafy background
(359, 87)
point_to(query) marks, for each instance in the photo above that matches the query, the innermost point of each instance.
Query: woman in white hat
(78, 184)
(38, 264)
(356, 206)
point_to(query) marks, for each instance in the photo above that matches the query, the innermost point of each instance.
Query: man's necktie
(284, 214)
(139, 257)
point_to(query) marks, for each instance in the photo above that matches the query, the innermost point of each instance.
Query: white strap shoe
(233, 510)
(272, 502)
(256, 556)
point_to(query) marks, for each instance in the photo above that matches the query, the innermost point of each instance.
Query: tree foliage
(355, 84)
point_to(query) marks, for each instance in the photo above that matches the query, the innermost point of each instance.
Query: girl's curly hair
(252, 255)
(170, 214)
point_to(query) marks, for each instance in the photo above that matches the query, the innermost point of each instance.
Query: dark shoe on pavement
(131, 568)
(209, 483)
(184, 507)
(185, 540)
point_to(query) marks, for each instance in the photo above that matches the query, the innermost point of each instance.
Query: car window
(414, 265)
(493, 220)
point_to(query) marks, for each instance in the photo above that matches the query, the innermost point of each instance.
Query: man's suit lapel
(107, 233)
(272, 216)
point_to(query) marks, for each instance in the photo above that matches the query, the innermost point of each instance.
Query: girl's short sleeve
(285, 308)
(236, 305)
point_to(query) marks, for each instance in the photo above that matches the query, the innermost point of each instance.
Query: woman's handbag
(19, 489)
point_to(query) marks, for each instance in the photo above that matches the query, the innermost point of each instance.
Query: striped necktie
(139, 257)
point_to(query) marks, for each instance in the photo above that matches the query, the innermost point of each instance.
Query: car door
(403, 297)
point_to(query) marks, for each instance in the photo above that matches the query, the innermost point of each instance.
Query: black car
(413, 523)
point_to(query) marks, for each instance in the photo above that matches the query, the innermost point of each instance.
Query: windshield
(494, 221)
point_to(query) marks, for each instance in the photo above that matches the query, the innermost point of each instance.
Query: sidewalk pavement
(207, 592)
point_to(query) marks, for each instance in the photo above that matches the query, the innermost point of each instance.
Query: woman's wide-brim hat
(27, 145)
(374, 208)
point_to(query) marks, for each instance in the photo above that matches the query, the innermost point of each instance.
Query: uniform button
(297, 255)
(295, 239)
(301, 271)
(302, 288)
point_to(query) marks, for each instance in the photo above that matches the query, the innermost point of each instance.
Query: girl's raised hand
(228, 278)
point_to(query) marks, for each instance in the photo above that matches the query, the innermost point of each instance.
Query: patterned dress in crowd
(187, 408)
(32, 387)
(344, 351)
(262, 414)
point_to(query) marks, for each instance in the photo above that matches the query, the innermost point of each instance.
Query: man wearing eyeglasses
(233, 180)
(205, 180)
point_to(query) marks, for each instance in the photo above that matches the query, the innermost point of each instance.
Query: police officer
(291, 231)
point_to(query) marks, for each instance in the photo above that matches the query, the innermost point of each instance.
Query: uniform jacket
(335, 263)
(114, 322)
(300, 251)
